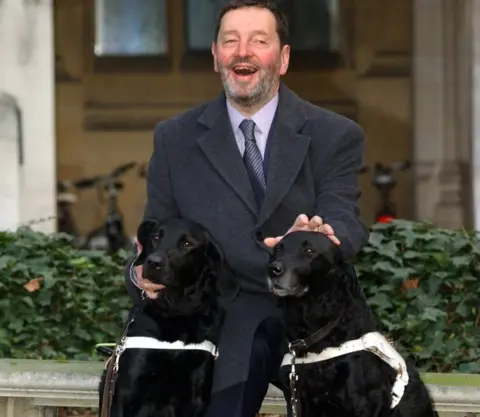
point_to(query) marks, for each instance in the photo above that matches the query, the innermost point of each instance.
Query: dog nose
(275, 269)
(157, 262)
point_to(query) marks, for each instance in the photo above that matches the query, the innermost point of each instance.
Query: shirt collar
(263, 118)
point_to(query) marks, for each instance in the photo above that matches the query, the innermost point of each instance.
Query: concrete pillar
(442, 88)
(27, 75)
(475, 30)
(10, 150)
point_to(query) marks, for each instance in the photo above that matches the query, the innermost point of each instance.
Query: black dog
(156, 380)
(324, 307)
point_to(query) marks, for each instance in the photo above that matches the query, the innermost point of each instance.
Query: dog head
(300, 260)
(178, 254)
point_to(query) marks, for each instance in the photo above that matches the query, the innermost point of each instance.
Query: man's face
(248, 55)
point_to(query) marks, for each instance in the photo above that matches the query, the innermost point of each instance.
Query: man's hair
(282, 21)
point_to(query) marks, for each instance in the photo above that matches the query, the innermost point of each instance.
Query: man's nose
(243, 49)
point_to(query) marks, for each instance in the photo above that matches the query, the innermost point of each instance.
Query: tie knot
(248, 128)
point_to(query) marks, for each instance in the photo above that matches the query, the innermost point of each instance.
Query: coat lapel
(219, 146)
(288, 150)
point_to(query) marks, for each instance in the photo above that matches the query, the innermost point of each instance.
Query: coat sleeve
(337, 192)
(160, 199)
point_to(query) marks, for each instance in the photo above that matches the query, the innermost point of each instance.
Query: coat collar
(288, 149)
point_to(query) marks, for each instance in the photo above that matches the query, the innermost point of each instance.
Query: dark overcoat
(196, 171)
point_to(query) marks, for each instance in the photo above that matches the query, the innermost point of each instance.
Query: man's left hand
(303, 223)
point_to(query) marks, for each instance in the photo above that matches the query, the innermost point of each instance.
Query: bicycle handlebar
(122, 169)
(91, 182)
(383, 174)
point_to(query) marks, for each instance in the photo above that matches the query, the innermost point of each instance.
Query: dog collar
(372, 342)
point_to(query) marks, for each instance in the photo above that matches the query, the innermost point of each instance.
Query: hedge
(422, 282)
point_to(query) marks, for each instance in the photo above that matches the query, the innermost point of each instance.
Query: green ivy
(57, 302)
(81, 300)
(423, 284)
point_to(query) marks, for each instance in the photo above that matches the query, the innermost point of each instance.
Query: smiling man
(255, 163)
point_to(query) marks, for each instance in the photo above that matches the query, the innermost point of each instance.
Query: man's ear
(214, 55)
(144, 233)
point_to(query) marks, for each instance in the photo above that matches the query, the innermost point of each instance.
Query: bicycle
(384, 181)
(110, 236)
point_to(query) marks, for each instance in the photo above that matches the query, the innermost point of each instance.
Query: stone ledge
(74, 384)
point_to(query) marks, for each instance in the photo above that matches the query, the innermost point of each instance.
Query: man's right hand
(151, 289)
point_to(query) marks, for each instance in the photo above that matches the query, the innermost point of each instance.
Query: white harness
(141, 342)
(371, 342)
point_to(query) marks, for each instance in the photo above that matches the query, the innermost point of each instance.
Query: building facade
(92, 78)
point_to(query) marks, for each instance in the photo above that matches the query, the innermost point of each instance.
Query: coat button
(259, 236)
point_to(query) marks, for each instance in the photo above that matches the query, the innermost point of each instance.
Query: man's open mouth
(244, 69)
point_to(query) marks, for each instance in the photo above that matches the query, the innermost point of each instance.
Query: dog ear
(330, 261)
(334, 255)
(144, 233)
(226, 284)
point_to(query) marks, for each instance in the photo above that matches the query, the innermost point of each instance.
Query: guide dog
(338, 364)
(163, 365)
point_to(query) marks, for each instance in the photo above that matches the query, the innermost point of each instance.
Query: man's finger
(153, 287)
(326, 229)
(151, 295)
(315, 221)
(300, 221)
(272, 241)
(334, 239)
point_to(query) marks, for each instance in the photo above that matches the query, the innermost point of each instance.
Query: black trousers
(245, 399)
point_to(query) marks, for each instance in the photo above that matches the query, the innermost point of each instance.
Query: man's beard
(268, 79)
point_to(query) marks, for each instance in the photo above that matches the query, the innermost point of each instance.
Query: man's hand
(302, 223)
(151, 289)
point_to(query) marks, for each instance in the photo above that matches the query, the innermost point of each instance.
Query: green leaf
(82, 299)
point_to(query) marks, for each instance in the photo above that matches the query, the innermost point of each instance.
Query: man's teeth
(244, 70)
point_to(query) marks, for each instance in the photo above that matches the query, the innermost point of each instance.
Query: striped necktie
(253, 160)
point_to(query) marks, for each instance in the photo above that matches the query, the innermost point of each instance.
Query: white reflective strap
(371, 342)
(140, 342)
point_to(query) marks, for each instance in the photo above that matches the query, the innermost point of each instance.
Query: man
(252, 165)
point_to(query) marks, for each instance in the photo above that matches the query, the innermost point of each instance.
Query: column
(27, 75)
(475, 28)
(442, 111)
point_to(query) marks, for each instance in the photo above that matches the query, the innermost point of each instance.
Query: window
(130, 28)
(146, 35)
(313, 24)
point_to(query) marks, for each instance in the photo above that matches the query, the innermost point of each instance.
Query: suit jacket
(312, 163)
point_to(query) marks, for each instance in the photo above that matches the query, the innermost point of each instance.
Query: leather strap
(109, 389)
(301, 346)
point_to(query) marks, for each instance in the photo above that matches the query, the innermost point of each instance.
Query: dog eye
(156, 237)
(308, 250)
(185, 244)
